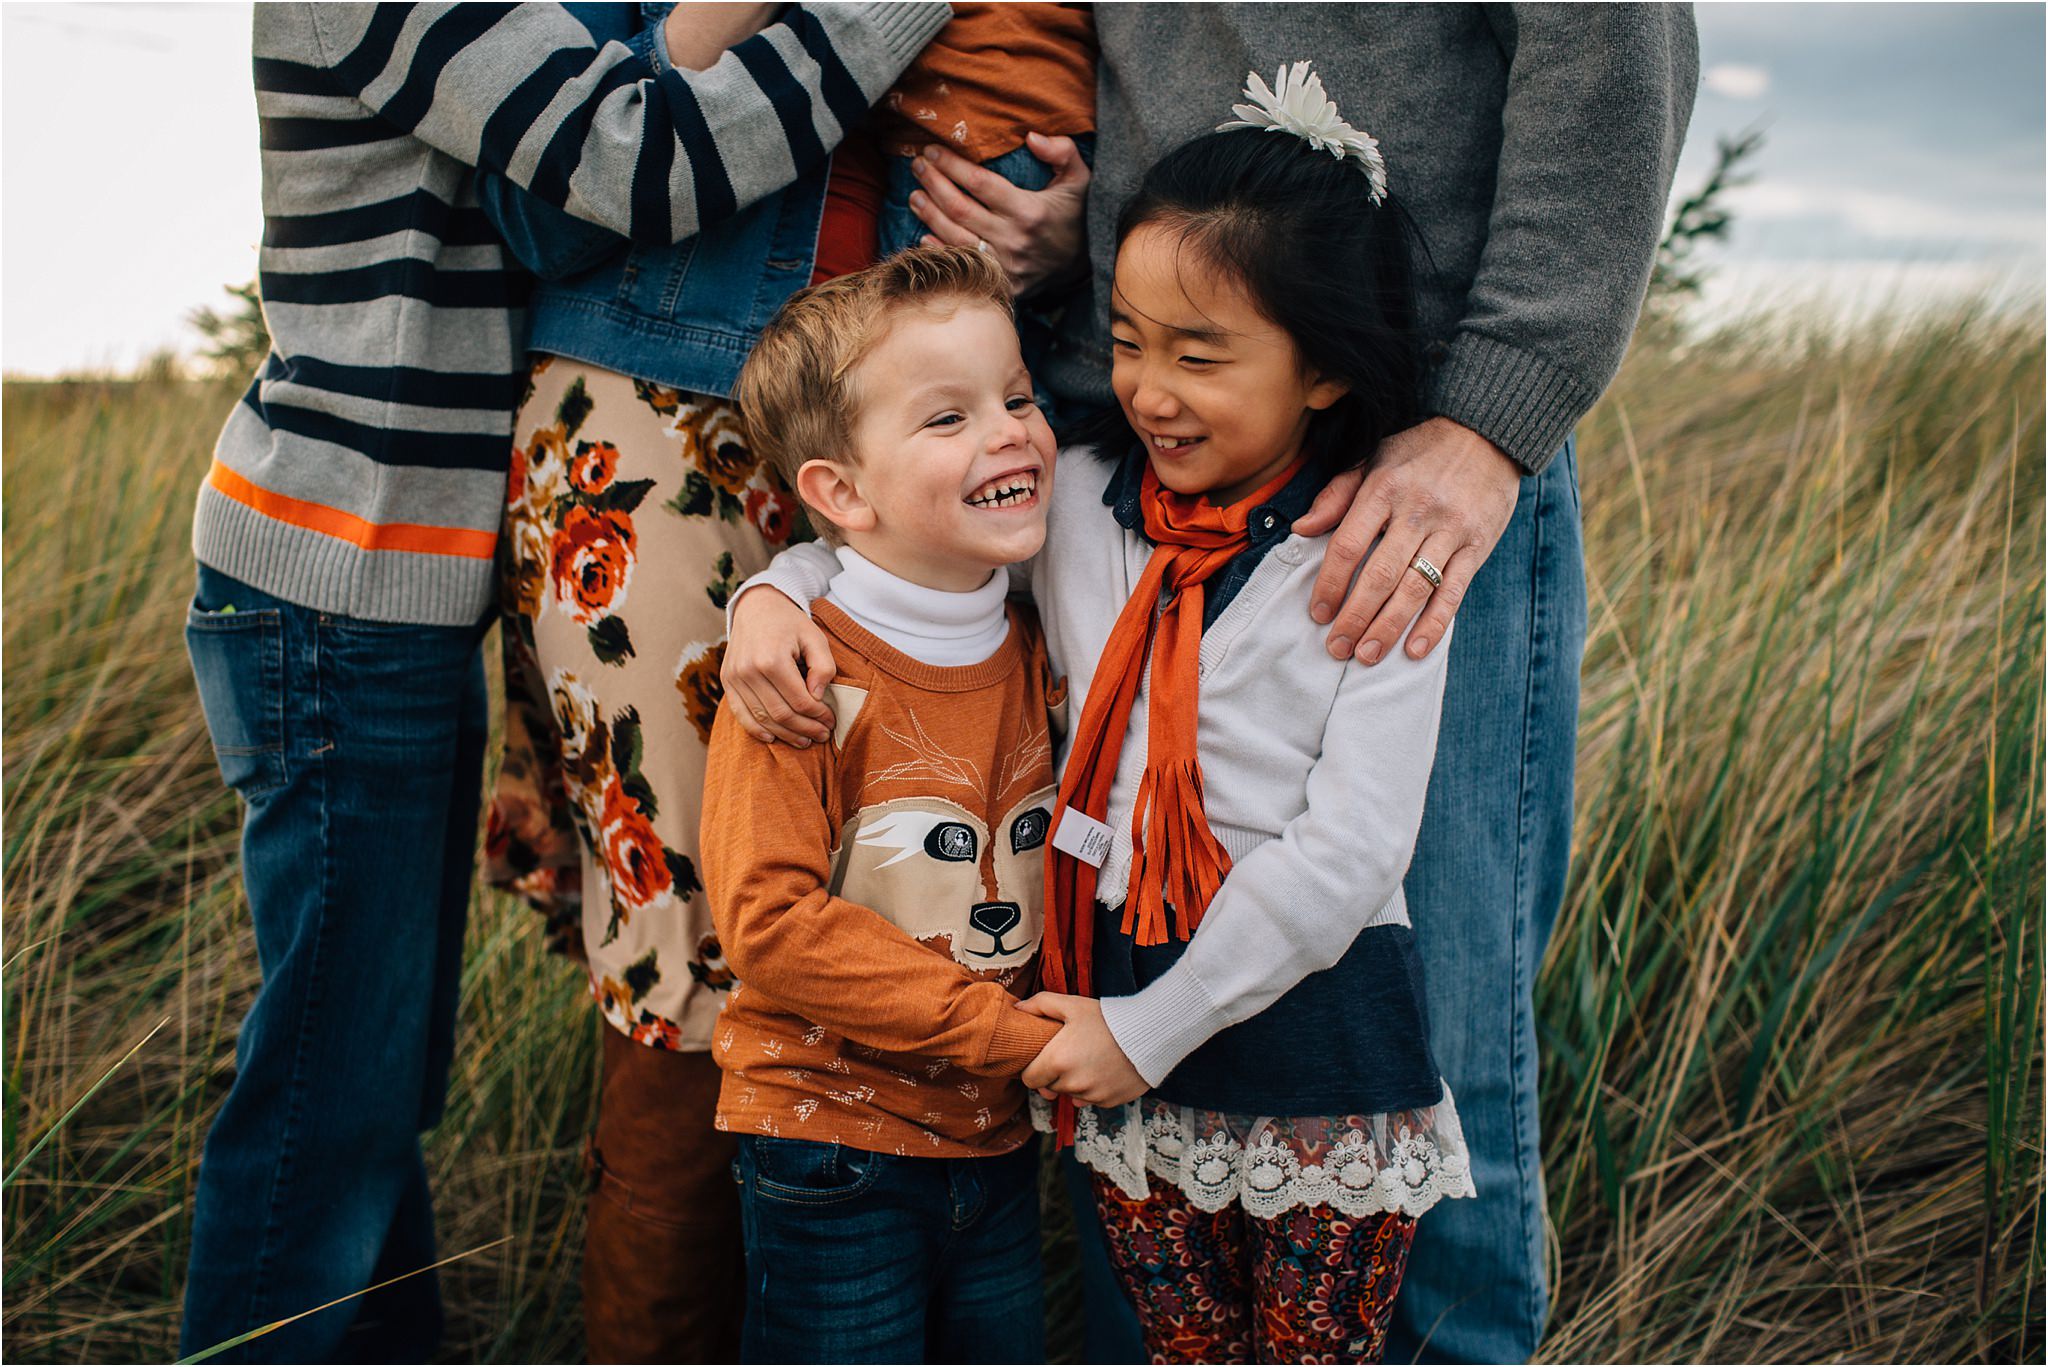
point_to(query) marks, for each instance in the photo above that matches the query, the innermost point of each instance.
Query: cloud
(1737, 80)
(1881, 214)
(1849, 294)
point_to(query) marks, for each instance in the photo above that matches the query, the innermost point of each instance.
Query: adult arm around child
(1594, 116)
(776, 670)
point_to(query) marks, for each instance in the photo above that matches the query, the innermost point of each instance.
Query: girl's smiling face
(1215, 389)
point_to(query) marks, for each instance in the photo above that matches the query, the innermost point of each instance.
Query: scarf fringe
(1178, 864)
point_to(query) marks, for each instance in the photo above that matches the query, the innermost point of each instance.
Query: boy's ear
(829, 489)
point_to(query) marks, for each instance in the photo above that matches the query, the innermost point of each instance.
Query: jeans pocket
(391, 692)
(799, 1172)
(238, 664)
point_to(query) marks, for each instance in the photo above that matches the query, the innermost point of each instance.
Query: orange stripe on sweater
(371, 536)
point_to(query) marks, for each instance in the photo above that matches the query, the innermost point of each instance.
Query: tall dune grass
(1791, 1015)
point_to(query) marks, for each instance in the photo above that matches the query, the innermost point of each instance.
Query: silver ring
(1427, 571)
(981, 245)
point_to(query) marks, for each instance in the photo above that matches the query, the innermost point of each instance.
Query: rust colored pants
(664, 1272)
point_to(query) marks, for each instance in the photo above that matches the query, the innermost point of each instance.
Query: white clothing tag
(1082, 836)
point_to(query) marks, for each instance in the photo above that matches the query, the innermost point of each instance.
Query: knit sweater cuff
(1515, 399)
(1017, 1040)
(1164, 1023)
(904, 29)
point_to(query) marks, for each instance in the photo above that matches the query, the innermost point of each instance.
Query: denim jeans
(1484, 890)
(870, 1257)
(358, 750)
(1109, 1323)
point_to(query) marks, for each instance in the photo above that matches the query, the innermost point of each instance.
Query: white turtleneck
(931, 626)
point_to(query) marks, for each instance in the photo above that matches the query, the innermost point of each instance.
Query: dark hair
(1334, 271)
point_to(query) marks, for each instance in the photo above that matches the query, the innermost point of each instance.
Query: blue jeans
(358, 749)
(869, 1257)
(1484, 890)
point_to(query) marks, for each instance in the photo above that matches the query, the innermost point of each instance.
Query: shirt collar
(1270, 523)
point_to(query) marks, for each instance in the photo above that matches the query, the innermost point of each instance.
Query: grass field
(1792, 1010)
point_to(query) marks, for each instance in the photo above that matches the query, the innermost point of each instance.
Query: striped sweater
(364, 471)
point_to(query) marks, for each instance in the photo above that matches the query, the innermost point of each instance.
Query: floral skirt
(632, 512)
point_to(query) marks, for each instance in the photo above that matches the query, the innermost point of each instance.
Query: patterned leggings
(1311, 1285)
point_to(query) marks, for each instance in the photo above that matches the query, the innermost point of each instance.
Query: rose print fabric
(1309, 1285)
(632, 513)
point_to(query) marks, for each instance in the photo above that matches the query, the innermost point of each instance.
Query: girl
(1253, 1091)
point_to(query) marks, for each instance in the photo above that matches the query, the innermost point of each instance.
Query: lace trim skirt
(1358, 1165)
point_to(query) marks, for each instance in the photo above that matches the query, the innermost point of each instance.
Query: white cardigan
(1313, 769)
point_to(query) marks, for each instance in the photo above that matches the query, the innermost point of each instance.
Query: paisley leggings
(1310, 1285)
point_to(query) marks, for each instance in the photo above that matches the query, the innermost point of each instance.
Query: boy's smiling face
(953, 461)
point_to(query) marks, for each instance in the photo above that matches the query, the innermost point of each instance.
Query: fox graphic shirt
(880, 897)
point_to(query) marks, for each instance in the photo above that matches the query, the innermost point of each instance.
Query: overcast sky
(1903, 159)
(1903, 147)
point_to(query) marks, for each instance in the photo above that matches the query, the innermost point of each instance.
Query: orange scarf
(1176, 861)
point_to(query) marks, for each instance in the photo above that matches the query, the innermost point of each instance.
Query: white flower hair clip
(1301, 107)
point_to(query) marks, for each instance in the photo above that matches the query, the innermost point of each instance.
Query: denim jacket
(684, 316)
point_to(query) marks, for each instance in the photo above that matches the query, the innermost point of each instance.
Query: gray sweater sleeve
(520, 89)
(1597, 104)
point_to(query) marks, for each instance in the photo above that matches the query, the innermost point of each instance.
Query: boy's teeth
(1169, 443)
(1006, 492)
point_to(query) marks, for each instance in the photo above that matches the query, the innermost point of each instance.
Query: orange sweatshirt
(880, 899)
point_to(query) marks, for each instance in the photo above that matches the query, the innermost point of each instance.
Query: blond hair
(794, 391)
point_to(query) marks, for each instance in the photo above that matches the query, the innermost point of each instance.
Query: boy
(879, 895)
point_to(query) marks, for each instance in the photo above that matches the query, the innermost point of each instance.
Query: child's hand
(1083, 1061)
(777, 664)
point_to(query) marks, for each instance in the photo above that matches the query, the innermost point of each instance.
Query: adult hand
(1038, 235)
(777, 664)
(698, 34)
(1437, 490)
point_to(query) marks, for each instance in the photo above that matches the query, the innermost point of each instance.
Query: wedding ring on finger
(981, 245)
(1427, 571)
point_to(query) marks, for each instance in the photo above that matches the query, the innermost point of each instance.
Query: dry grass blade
(207, 1354)
(79, 1104)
